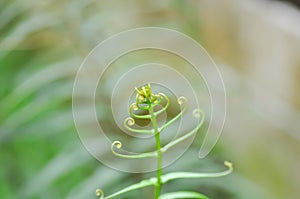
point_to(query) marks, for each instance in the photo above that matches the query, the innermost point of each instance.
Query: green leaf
(183, 194)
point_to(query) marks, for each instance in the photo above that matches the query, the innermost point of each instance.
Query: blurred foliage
(42, 44)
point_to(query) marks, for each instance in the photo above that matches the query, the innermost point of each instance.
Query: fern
(145, 100)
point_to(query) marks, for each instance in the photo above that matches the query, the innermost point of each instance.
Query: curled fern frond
(128, 122)
(147, 101)
(118, 145)
(145, 98)
(133, 107)
(99, 193)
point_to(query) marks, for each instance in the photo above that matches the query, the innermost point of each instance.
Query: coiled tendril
(99, 193)
(128, 122)
(118, 145)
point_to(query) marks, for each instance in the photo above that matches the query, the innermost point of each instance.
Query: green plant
(147, 101)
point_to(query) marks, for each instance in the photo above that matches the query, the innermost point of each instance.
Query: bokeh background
(255, 43)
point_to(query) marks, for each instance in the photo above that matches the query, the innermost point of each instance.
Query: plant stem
(159, 152)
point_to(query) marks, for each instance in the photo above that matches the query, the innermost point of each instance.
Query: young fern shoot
(145, 100)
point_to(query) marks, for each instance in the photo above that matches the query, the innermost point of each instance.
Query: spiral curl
(157, 99)
(99, 193)
(133, 107)
(118, 145)
(129, 121)
(145, 98)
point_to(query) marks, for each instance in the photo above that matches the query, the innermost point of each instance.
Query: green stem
(159, 152)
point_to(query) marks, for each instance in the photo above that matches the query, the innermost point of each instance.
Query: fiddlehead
(133, 107)
(128, 122)
(145, 100)
(118, 145)
(99, 193)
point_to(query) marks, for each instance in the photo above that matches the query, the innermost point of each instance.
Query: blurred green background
(256, 45)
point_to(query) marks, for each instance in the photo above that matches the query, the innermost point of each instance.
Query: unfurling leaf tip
(117, 144)
(129, 121)
(229, 165)
(99, 193)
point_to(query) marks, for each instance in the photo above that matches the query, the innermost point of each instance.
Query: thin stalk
(159, 152)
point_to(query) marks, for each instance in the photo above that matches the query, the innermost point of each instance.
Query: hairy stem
(159, 152)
